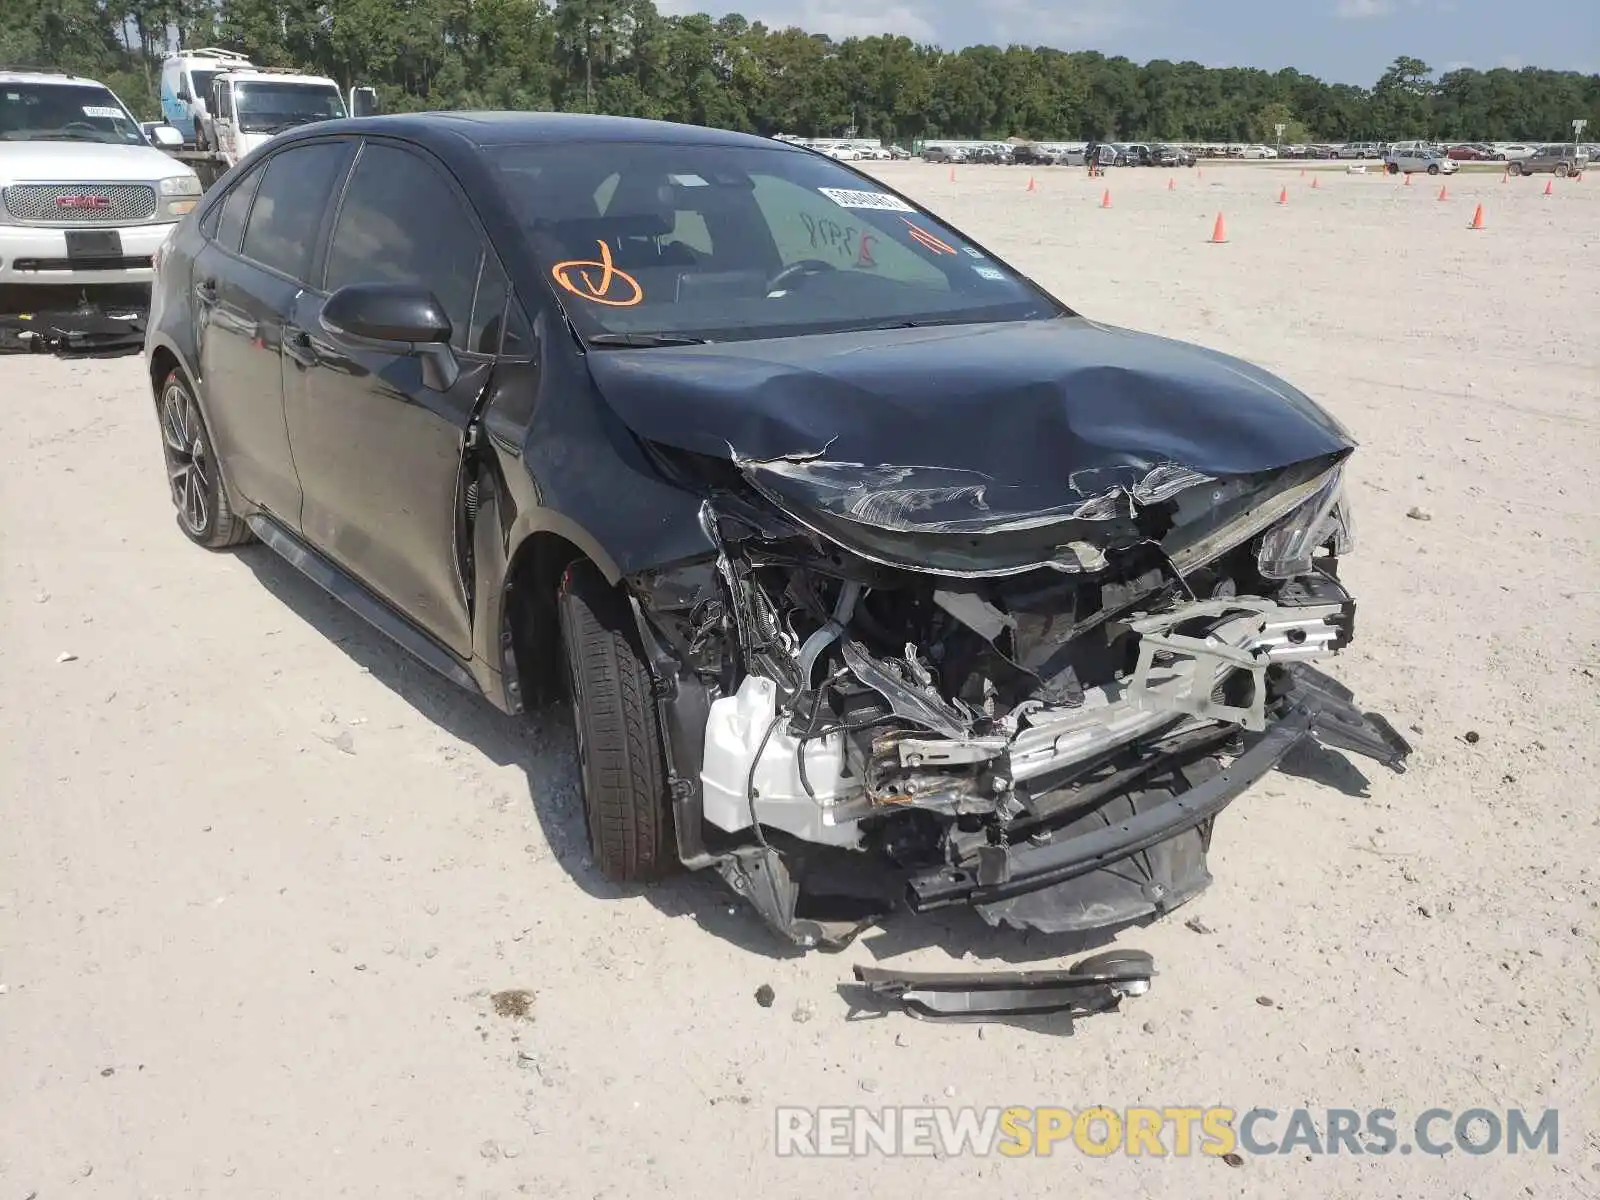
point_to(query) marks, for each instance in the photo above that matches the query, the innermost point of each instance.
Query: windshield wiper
(645, 339)
(63, 135)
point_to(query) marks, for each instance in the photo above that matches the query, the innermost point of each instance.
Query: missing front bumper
(1068, 883)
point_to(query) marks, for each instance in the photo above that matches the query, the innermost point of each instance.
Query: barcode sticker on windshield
(845, 198)
(101, 110)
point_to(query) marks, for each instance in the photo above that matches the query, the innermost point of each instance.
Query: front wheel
(193, 474)
(1562, 171)
(1394, 168)
(1515, 168)
(1433, 168)
(625, 797)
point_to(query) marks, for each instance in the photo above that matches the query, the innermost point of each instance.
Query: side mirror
(184, 93)
(166, 137)
(399, 318)
(363, 102)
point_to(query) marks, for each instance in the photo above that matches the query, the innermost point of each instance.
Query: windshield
(270, 107)
(64, 112)
(721, 242)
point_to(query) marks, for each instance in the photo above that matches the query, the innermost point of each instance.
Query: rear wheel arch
(162, 363)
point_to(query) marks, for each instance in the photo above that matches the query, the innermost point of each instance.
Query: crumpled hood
(978, 424)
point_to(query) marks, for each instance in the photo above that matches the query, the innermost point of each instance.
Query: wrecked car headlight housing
(1287, 549)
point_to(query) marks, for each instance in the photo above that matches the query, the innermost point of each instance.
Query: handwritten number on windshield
(598, 280)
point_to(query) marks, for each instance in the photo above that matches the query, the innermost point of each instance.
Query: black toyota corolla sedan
(875, 575)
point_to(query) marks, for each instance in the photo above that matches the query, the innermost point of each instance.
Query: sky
(1341, 41)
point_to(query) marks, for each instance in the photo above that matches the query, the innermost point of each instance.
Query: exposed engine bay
(990, 705)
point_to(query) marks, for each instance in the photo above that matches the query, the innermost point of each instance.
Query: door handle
(297, 345)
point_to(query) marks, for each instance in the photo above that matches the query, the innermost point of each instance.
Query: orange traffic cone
(1105, 200)
(1219, 231)
(1172, 184)
(1444, 192)
(1302, 172)
(1032, 187)
(1408, 178)
(1315, 183)
(952, 174)
(1505, 175)
(1477, 219)
(1550, 187)
(1283, 196)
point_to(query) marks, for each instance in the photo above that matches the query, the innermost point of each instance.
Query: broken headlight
(1286, 550)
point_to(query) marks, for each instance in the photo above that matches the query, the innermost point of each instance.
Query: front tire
(625, 797)
(193, 474)
(1515, 169)
(1562, 171)
(1433, 168)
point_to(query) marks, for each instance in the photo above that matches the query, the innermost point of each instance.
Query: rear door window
(235, 208)
(402, 222)
(295, 192)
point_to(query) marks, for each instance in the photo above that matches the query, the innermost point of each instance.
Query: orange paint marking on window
(864, 258)
(922, 236)
(576, 276)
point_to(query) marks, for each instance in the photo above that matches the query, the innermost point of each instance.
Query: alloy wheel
(189, 467)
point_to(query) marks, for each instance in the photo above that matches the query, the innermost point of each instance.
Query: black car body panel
(1098, 405)
(958, 560)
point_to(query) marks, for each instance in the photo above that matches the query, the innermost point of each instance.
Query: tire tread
(625, 793)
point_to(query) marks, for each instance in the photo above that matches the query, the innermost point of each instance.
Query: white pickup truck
(86, 198)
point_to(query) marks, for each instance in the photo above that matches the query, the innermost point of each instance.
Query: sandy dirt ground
(260, 874)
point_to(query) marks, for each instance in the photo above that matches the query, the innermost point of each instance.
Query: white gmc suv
(85, 198)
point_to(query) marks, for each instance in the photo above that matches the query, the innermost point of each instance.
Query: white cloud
(1059, 24)
(1357, 10)
(1066, 23)
(836, 18)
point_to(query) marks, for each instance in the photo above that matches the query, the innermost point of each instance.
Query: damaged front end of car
(889, 684)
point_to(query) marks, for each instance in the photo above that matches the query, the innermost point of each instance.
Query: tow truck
(248, 106)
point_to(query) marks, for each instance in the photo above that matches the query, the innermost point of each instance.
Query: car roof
(440, 129)
(258, 75)
(23, 75)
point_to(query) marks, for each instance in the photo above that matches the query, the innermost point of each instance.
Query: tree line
(624, 57)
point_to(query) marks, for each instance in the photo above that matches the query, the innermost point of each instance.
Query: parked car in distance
(482, 377)
(1170, 156)
(899, 153)
(1470, 153)
(1431, 161)
(1359, 150)
(942, 154)
(1513, 151)
(1031, 154)
(1258, 152)
(1559, 160)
